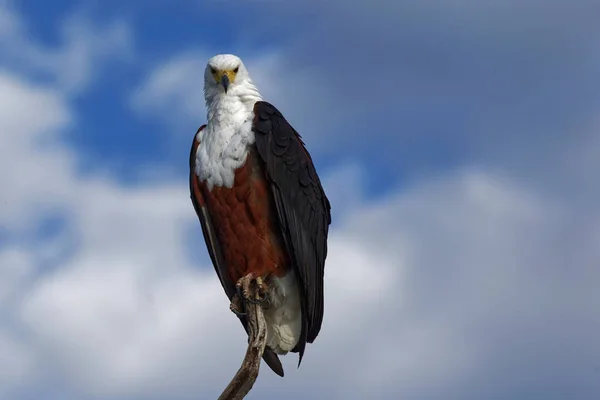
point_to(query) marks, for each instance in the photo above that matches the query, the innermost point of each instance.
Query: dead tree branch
(244, 379)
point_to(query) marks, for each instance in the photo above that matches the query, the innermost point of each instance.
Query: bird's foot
(245, 290)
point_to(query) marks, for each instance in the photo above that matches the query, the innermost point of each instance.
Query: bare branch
(244, 379)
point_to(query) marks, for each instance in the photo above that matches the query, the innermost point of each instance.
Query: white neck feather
(243, 94)
(228, 133)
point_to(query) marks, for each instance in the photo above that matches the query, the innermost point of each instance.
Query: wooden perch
(244, 379)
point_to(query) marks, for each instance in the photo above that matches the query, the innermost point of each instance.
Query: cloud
(174, 90)
(86, 49)
(35, 168)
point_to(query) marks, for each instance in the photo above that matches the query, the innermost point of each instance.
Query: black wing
(214, 249)
(302, 207)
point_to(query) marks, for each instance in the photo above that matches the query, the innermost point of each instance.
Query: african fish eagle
(261, 206)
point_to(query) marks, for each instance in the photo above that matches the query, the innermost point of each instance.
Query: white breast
(224, 143)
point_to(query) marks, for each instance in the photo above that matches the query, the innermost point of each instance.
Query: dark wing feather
(302, 208)
(214, 249)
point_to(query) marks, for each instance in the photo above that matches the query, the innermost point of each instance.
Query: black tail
(273, 361)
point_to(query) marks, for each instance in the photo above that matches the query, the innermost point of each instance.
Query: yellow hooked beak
(224, 77)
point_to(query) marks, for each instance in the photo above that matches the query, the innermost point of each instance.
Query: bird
(262, 208)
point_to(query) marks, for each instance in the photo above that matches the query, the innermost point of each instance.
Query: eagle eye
(213, 70)
(236, 69)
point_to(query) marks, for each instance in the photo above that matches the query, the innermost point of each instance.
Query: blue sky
(458, 143)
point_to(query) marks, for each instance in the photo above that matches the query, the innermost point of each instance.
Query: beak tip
(225, 82)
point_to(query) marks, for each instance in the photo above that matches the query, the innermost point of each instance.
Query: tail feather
(273, 361)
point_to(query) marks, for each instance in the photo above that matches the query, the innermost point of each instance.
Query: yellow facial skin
(218, 74)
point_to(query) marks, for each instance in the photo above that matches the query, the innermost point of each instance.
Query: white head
(226, 76)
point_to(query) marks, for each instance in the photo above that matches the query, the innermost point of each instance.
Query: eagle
(261, 206)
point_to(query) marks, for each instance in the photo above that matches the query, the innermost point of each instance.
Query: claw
(236, 312)
(244, 292)
(237, 306)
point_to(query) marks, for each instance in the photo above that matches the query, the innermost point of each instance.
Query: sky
(458, 142)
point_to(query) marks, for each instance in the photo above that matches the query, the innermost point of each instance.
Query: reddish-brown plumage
(244, 220)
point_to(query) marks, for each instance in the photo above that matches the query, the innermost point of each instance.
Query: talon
(261, 294)
(237, 305)
(236, 312)
(262, 300)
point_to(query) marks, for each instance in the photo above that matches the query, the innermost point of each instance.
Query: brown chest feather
(245, 220)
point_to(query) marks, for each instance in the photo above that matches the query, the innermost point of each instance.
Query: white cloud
(35, 169)
(174, 90)
(38, 169)
(86, 49)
